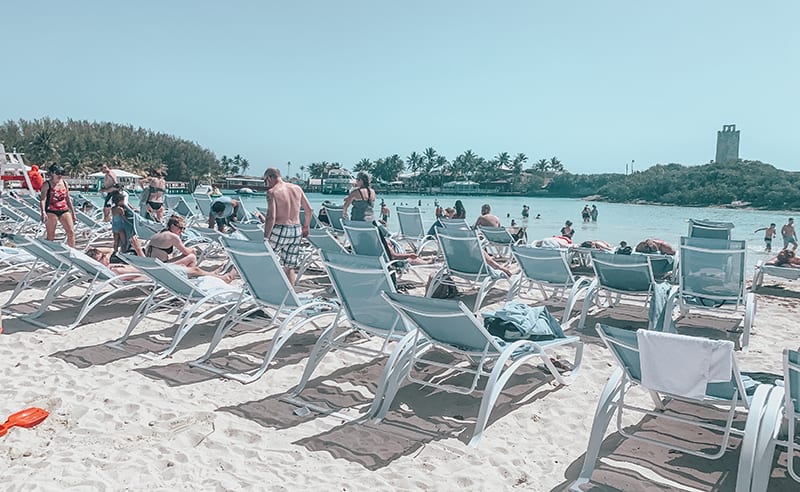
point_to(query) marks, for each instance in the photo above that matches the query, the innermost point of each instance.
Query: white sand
(121, 422)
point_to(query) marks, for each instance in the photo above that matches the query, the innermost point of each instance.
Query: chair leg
(189, 321)
(758, 415)
(764, 453)
(397, 368)
(587, 303)
(749, 315)
(324, 344)
(606, 407)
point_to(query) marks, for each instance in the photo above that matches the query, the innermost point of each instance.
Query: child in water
(769, 234)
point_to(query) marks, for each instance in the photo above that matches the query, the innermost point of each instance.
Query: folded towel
(682, 365)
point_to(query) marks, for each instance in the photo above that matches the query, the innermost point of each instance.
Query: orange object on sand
(24, 418)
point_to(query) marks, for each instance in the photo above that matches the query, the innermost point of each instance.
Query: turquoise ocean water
(616, 221)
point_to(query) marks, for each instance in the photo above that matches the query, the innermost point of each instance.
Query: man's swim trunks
(285, 240)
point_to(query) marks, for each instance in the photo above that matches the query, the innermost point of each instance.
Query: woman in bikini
(103, 255)
(362, 199)
(56, 205)
(157, 186)
(163, 244)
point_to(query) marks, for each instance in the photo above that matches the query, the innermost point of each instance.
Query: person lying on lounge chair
(103, 255)
(785, 258)
(655, 246)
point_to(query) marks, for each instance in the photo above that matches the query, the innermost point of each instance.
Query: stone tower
(727, 145)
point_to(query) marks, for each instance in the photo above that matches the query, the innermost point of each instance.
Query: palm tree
(430, 158)
(516, 166)
(244, 164)
(414, 161)
(364, 165)
(542, 165)
(503, 159)
(555, 165)
(519, 160)
(44, 146)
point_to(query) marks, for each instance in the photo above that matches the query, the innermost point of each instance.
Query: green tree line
(81, 146)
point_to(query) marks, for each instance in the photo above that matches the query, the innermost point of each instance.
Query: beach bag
(446, 290)
(517, 321)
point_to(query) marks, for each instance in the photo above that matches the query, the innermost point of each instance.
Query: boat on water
(208, 190)
(246, 191)
(338, 182)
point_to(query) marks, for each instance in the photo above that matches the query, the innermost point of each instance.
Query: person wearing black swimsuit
(56, 205)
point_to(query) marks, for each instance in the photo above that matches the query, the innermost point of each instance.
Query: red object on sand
(24, 418)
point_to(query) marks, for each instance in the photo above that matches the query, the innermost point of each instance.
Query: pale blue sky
(595, 83)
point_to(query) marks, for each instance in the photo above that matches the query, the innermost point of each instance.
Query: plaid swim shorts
(285, 240)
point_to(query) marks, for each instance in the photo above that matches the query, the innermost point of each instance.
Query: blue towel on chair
(658, 307)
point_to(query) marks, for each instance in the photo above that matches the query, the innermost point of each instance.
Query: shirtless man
(789, 235)
(282, 225)
(108, 187)
(769, 235)
(487, 218)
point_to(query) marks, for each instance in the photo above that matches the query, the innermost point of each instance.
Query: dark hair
(364, 178)
(217, 207)
(57, 169)
(568, 223)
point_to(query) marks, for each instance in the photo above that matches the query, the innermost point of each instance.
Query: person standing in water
(789, 235)
(567, 230)
(769, 234)
(461, 212)
(593, 213)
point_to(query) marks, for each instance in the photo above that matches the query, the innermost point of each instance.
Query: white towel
(682, 365)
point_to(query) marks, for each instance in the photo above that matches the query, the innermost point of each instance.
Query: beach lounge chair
(203, 203)
(99, 283)
(780, 425)
(178, 205)
(49, 267)
(411, 229)
(499, 239)
(15, 261)
(616, 276)
(196, 300)
(548, 269)
(314, 224)
(251, 232)
(268, 289)
(359, 282)
(449, 326)
(454, 223)
(660, 364)
(335, 217)
(710, 229)
(787, 272)
(364, 239)
(321, 239)
(711, 276)
(90, 228)
(464, 265)
(18, 223)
